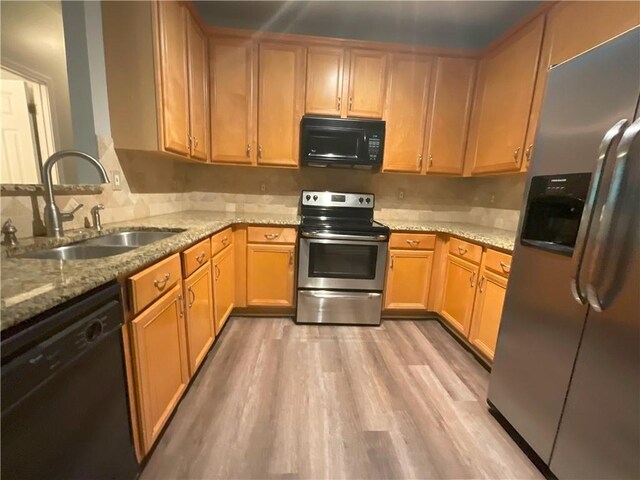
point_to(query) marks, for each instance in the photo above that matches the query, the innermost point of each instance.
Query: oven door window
(341, 260)
(330, 144)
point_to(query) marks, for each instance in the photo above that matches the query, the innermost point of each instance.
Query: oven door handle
(333, 294)
(339, 236)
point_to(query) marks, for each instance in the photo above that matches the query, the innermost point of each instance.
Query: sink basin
(78, 252)
(131, 238)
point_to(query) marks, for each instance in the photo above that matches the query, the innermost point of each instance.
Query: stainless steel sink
(80, 251)
(131, 238)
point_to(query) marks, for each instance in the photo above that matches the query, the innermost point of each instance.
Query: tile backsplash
(154, 184)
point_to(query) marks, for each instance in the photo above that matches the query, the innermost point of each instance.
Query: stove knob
(315, 197)
(308, 197)
(361, 199)
(368, 199)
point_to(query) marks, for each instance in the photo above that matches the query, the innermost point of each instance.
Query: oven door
(342, 264)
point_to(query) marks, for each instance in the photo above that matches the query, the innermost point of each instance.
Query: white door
(18, 160)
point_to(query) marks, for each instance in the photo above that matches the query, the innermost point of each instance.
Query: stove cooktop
(342, 225)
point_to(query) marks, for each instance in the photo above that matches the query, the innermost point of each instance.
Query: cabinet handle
(430, 160)
(189, 142)
(339, 103)
(224, 240)
(216, 270)
(195, 142)
(260, 151)
(528, 152)
(473, 279)
(290, 257)
(480, 285)
(192, 297)
(516, 154)
(160, 284)
(350, 103)
(411, 242)
(391, 265)
(248, 149)
(180, 305)
(271, 236)
(200, 257)
(462, 250)
(505, 267)
(420, 160)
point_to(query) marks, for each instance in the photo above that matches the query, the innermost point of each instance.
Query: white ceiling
(455, 24)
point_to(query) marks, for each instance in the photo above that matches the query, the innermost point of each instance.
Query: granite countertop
(32, 286)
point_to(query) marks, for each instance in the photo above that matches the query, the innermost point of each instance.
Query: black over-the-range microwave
(341, 142)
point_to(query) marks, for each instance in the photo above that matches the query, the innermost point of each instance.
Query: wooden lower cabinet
(408, 279)
(487, 311)
(198, 293)
(459, 291)
(224, 286)
(160, 362)
(270, 276)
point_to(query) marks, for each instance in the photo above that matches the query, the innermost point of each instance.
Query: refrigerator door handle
(602, 248)
(613, 134)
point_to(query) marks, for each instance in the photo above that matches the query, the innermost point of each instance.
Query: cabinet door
(231, 67)
(325, 69)
(408, 279)
(406, 112)
(270, 275)
(280, 103)
(173, 75)
(160, 359)
(507, 79)
(449, 116)
(459, 291)
(199, 301)
(223, 286)
(198, 90)
(367, 83)
(487, 311)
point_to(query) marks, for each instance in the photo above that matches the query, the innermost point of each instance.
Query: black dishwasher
(65, 412)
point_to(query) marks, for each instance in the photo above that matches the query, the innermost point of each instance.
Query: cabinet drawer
(196, 256)
(271, 235)
(466, 250)
(220, 241)
(151, 283)
(413, 241)
(498, 262)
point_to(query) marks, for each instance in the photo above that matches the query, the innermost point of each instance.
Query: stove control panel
(338, 199)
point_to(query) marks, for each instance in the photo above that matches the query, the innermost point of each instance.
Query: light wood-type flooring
(280, 400)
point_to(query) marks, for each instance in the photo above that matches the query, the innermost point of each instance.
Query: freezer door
(599, 436)
(543, 319)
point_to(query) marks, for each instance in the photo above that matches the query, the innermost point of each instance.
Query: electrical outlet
(401, 194)
(263, 187)
(115, 180)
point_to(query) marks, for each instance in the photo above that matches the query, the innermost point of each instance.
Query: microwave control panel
(375, 147)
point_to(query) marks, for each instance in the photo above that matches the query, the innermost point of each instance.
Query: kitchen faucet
(53, 218)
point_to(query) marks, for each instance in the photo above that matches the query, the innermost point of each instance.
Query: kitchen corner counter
(32, 286)
(487, 236)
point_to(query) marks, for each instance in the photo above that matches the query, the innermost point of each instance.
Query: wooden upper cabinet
(406, 112)
(232, 72)
(449, 117)
(408, 279)
(280, 103)
(503, 104)
(173, 73)
(325, 70)
(198, 90)
(367, 83)
(459, 291)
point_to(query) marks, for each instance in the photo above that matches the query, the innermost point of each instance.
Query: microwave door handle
(586, 220)
(602, 248)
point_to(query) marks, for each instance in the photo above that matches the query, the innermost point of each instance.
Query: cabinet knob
(516, 154)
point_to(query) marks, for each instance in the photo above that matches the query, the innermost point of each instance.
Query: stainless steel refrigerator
(566, 372)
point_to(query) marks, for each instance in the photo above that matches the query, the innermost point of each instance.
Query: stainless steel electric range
(342, 259)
